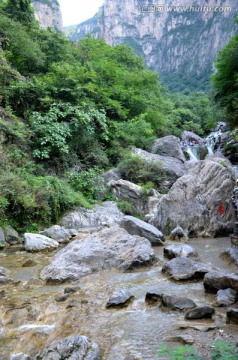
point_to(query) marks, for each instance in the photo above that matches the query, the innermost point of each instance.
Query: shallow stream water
(32, 318)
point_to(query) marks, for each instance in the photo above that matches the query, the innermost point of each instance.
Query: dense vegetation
(68, 112)
(225, 80)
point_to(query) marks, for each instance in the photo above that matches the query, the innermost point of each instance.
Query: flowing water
(32, 318)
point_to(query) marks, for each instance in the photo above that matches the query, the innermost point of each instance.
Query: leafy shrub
(128, 208)
(88, 182)
(137, 170)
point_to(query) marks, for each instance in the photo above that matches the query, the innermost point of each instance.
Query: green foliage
(225, 80)
(220, 351)
(20, 11)
(137, 170)
(88, 182)
(128, 208)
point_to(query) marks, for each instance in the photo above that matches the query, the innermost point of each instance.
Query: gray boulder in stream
(37, 242)
(181, 250)
(138, 227)
(199, 201)
(71, 348)
(218, 280)
(112, 247)
(181, 268)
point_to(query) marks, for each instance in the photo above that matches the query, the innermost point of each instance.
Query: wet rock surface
(177, 303)
(182, 250)
(200, 312)
(226, 297)
(119, 298)
(109, 248)
(138, 227)
(217, 280)
(185, 269)
(78, 348)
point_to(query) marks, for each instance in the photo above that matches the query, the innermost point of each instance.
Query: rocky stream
(101, 285)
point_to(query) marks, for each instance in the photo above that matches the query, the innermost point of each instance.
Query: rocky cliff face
(48, 13)
(174, 43)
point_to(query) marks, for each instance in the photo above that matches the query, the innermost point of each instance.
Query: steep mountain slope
(181, 43)
(48, 13)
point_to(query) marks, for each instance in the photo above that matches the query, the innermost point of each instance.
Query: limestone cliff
(176, 42)
(48, 13)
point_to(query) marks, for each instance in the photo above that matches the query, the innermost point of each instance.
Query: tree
(225, 80)
(20, 10)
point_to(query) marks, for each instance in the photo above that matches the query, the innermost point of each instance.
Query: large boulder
(217, 280)
(37, 242)
(199, 201)
(178, 234)
(173, 168)
(59, 233)
(112, 247)
(127, 191)
(77, 347)
(189, 135)
(101, 215)
(3, 243)
(181, 250)
(11, 236)
(138, 227)
(185, 269)
(168, 146)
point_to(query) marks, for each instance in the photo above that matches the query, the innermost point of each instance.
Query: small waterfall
(210, 146)
(192, 151)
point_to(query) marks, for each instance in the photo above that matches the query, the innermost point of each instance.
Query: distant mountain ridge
(48, 13)
(180, 45)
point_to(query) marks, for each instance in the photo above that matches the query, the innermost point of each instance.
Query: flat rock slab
(177, 303)
(184, 339)
(78, 348)
(200, 312)
(112, 247)
(119, 298)
(37, 242)
(181, 250)
(138, 227)
(185, 269)
(204, 327)
(217, 280)
(226, 297)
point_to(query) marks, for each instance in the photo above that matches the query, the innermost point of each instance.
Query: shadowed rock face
(195, 200)
(109, 248)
